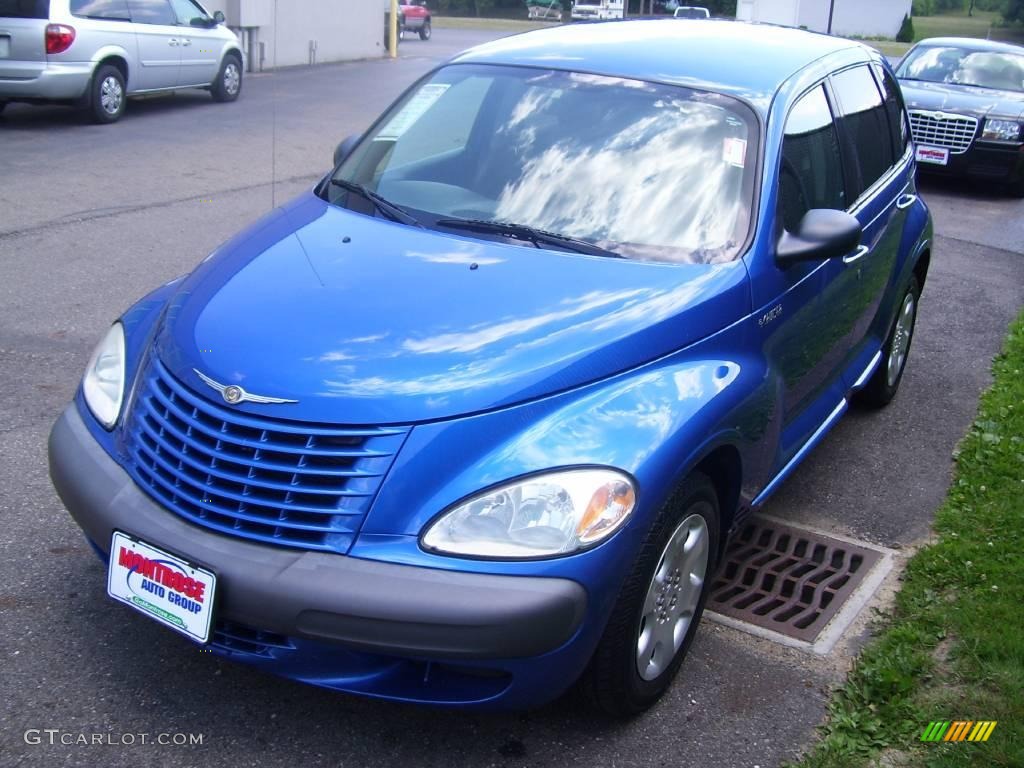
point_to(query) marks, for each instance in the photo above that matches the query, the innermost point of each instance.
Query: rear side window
(116, 10)
(893, 99)
(25, 9)
(865, 122)
(152, 12)
(811, 171)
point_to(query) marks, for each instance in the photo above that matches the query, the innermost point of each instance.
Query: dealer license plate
(161, 585)
(933, 155)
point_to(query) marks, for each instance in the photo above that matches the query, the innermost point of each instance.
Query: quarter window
(811, 171)
(865, 122)
(894, 109)
(112, 10)
(152, 12)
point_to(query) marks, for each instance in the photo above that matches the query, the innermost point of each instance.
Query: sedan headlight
(550, 514)
(103, 385)
(1001, 130)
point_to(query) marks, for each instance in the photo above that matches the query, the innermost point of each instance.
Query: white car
(691, 12)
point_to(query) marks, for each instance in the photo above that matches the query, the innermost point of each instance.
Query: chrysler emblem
(234, 394)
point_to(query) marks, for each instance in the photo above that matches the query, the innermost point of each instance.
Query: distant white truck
(589, 10)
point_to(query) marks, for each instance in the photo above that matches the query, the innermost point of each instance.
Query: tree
(1014, 10)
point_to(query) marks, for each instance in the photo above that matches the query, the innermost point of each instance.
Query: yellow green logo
(959, 730)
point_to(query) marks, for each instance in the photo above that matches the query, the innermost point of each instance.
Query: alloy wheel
(673, 595)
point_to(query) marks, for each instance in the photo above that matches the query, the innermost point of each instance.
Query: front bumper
(989, 161)
(54, 82)
(327, 606)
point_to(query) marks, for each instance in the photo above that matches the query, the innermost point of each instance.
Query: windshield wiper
(528, 234)
(385, 206)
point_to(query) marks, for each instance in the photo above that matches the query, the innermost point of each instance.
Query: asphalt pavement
(92, 217)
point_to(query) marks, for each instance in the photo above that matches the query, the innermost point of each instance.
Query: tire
(621, 680)
(885, 381)
(1015, 189)
(3, 104)
(107, 97)
(425, 30)
(228, 84)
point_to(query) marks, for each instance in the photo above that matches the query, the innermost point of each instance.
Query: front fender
(654, 423)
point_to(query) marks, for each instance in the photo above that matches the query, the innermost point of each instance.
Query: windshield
(648, 171)
(961, 66)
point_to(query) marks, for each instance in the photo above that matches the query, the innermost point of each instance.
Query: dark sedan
(966, 103)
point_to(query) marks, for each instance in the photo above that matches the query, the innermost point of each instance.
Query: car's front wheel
(659, 607)
(228, 84)
(885, 381)
(425, 30)
(107, 95)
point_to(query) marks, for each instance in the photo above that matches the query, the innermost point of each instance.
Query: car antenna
(273, 119)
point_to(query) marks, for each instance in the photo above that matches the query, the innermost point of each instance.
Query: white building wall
(862, 18)
(339, 30)
(869, 18)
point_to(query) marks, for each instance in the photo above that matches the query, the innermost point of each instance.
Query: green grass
(515, 25)
(954, 25)
(953, 647)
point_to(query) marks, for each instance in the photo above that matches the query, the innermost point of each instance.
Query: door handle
(862, 250)
(186, 41)
(905, 201)
(173, 41)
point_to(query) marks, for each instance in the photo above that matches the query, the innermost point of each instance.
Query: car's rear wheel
(228, 84)
(107, 97)
(885, 381)
(425, 30)
(659, 607)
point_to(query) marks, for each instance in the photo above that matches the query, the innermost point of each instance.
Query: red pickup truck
(415, 17)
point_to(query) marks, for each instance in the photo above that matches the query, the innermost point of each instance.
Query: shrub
(906, 33)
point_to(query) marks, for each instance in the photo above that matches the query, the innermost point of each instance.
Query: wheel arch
(117, 58)
(921, 266)
(723, 465)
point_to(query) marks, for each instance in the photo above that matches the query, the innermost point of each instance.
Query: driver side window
(811, 171)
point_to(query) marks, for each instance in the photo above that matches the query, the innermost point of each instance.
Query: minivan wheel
(885, 381)
(228, 84)
(107, 96)
(659, 607)
(425, 30)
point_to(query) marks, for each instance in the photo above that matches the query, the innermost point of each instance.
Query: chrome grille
(271, 480)
(955, 132)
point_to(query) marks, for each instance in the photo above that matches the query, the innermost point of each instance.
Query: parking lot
(92, 217)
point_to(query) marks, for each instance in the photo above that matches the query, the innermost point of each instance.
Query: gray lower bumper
(54, 82)
(382, 607)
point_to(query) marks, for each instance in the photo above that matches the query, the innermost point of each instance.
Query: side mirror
(218, 16)
(344, 149)
(822, 234)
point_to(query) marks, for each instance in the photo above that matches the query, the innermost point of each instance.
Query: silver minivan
(95, 53)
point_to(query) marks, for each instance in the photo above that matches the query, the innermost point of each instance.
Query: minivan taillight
(59, 37)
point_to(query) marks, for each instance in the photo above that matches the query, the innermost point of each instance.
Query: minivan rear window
(25, 9)
(112, 10)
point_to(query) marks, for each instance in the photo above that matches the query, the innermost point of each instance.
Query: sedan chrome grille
(270, 480)
(941, 129)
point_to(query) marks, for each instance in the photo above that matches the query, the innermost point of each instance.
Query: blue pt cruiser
(474, 418)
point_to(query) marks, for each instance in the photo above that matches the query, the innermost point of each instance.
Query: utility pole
(831, 13)
(393, 30)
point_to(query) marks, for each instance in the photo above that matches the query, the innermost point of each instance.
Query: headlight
(550, 514)
(103, 385)
(1001, 130)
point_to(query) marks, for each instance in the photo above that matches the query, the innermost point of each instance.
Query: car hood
(962, 99)
(365, 321)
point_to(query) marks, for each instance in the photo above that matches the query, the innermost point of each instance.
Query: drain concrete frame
(832, 632)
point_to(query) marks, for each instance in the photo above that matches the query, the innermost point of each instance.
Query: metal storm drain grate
(788, 580)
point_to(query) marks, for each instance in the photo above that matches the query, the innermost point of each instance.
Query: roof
(972, 43)
(739, 58)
